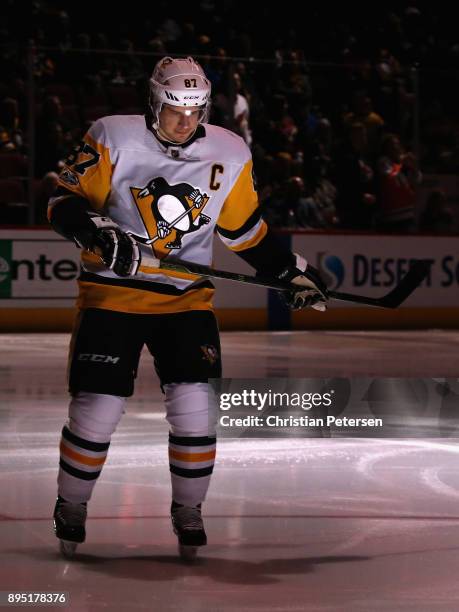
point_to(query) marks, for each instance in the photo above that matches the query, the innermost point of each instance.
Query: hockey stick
(414, 277)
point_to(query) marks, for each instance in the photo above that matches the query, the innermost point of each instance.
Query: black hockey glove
(312, 290)
(118, 250)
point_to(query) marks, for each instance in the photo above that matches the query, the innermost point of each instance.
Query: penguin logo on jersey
(169, 212)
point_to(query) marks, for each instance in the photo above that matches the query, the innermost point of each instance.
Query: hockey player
(172, 180)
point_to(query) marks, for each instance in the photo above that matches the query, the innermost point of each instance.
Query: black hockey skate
(69, 525)
(189, 528)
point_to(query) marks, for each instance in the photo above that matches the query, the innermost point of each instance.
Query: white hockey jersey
(174, 196)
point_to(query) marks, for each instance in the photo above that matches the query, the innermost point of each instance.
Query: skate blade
(188, 553)
(68, 549)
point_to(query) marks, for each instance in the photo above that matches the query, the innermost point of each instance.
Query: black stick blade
(411, 281)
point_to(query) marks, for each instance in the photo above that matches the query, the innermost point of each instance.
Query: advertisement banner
(37, 268)
(373, 265)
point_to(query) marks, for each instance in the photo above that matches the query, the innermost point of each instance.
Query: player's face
(178, 123)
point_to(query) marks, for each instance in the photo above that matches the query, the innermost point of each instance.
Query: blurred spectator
(288, 128)
(262, 164)
(295, 201)
(44, 67)
(313, 209)
(437, 217)
(102, 62)
(223, 97)
(282, 167)
(295, 83)
(128, 68)
(325, 197)
(248, 83)
(354, 181)
(241, 111)
(272, 205)
(388, 75)
(398, 177)
(363, 113)
(44, 190)
(170, 30)
(10, 121)
(80, 65)
(186, 44)
(318, 152)
(293, 204)
(54, 137)
(6, 144)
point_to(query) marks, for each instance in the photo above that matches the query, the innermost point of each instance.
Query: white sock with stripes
(85, 441)
(192, 441)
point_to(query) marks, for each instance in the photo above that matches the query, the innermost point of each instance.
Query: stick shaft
(417, 273)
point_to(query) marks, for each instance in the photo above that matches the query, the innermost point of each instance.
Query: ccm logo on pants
(98, 358)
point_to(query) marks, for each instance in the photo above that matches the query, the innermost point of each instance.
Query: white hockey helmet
(179, 82)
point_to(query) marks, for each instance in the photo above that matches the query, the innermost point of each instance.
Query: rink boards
(38, 271)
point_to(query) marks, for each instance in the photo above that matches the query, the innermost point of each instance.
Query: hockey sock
(84, 444)
(80, 464)
(191, 461)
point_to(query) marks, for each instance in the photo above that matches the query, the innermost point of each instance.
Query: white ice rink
(293, 524)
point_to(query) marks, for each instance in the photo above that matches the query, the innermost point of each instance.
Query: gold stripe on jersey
(89, 174)
(92, 263)
(172, 273)
(239, 224)
(249, 239)
(241, 202)
(140, 301)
